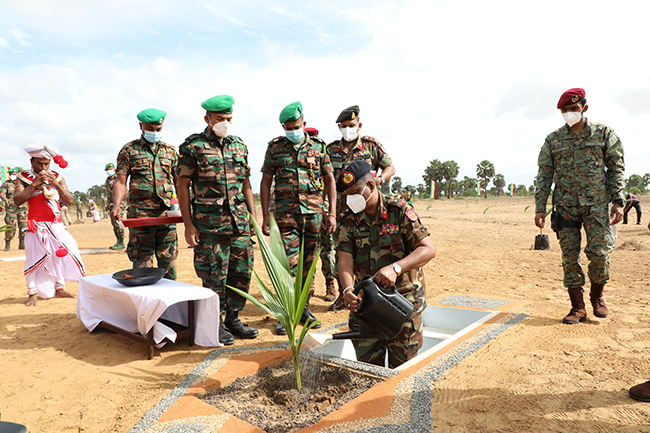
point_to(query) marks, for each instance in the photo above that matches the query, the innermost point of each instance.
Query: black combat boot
(237, 328)
(225, 337)
(21, 243)
(7, 245)
(307, 316)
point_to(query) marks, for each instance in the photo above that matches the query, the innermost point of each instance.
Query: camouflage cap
(351, 174)
(152, 115)
(219, 104)
(349, 113)
(571, 96)
(109, 165)
(291, 112)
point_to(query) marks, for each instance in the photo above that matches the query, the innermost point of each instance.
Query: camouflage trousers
(296, 228)
(225, 260)
(328, 255)
(117, 229)
(595, 220)
(147, 241)
(401, 348)
(15, 219)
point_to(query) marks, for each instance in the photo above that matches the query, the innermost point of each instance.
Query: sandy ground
(539, 376)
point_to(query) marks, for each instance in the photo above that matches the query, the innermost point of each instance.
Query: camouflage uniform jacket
(376, 241)
(8, 189)
(364, 149)
(108, 186)
(218, 168)
(299, 170)
(588, 169)
(150, 167)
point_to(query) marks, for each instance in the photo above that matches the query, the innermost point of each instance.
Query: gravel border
(421, 394)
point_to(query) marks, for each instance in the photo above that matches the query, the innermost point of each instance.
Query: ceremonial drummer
(215, 165)
(51, 253)
(352, 147)
(149, 164)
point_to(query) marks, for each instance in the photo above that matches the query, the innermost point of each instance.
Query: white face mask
(350, 133)
(221, 128)
(572, 117)
(110, 172)
(356, 202)
(12, 176)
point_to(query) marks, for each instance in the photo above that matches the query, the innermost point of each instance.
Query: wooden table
(153, 314)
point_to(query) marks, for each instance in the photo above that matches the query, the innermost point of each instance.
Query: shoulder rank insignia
(388, 229)
(410, 214)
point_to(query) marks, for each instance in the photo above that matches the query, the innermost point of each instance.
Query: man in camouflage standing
(215, 165)
(150, 164)
(585, 160)
(382, 237)
(352, 147)
(109, 186)
(302, 170)
(15, 216)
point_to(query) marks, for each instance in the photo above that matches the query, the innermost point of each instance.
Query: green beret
(152, 115)
(349, 113)
(291, 112)
(13, 170)
(219, 104)
(109, 165)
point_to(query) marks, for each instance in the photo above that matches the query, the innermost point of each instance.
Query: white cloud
(435, 80)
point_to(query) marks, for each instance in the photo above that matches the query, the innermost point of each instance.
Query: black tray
(141, 276)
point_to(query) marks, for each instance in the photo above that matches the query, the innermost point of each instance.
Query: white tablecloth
(137, 309)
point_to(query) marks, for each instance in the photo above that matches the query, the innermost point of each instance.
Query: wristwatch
(619, 201)
(397, 268)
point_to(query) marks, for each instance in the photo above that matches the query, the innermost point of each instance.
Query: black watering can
(381, 314)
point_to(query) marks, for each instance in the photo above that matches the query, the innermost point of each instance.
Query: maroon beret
(312, 131)
(571, 96)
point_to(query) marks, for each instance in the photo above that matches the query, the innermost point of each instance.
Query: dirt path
(539, 376)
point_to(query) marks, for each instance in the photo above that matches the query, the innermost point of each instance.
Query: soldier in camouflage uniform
(15, 216)
(150, 164)
(352, 147)
(302, 170)
(585, 160)
(118, 230)
(382, 237)
(215, 165)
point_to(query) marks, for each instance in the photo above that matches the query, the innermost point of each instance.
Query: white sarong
(44, 270)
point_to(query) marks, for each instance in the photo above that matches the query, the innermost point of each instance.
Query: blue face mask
(295, 136)
(152, 137)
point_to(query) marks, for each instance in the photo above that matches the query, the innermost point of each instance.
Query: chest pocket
(209, 164)
(591, 155)
(562, 157)
(392, 248)
(239, 167)
(362, 249)
(140, 165)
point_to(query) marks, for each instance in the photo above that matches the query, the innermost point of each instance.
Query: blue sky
(443, 80)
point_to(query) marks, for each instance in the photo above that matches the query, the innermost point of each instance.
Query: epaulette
(344, 213)
(396, 201)
(276, 139)
(193, 137)
(368, 138)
